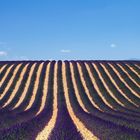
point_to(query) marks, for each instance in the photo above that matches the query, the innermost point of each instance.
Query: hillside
(70, 100)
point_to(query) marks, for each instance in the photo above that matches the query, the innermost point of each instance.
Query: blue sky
(69, 29)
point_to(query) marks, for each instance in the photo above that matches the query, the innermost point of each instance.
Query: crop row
(69, 100)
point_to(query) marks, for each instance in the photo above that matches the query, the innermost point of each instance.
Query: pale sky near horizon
(69, 29)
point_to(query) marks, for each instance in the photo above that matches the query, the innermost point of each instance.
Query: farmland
(70, 100)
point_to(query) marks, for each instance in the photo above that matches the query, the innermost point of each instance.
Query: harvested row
(11, 81)
(69, 100)
(44, 134)
(3, 79)
(1, 64)
(108, 93)
(35, 88)
(18, 111)
(45, 91)
(85, 96)
(25, 88)
(105, 82)
(3, 72)
(134, 68)
(120, 94)
(102, 85)
(64, 127)
(121, 87)
(138, 66)
(13, 93)
(130, 78)
(76, 90)
(87, 90)
(86, 134)
(125, 80)
(92, 123)
(2, 68)
(105, 116)
(30, 91)
(129, 75)
(11, 84)
(31, 126)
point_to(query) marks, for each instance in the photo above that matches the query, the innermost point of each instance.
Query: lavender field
(70, 100)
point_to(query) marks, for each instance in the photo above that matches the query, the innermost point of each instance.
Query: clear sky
(69, 29)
